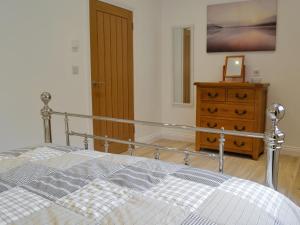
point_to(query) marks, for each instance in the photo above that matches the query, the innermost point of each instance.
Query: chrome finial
(279, 136)
(157, 154)
(276, 112)
(187, 159)
(46, 116)
(46, 97)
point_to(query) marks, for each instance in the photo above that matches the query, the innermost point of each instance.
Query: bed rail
(274, 138)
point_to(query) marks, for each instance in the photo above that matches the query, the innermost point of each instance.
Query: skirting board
(177, 136)
(149, 138)
(290, 150)
(189, 137)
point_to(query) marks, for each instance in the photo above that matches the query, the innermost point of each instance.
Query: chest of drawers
(234, 106)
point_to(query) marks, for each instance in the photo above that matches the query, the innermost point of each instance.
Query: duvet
(67, 185)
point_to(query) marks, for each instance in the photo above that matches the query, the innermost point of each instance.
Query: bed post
(274, 140)
(157, 154)
(106, 145)
(46, 116)
(86, 142)
(67, 130)
(221, 151)
(130, 148)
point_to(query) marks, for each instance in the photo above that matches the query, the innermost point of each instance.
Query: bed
(67, 185)
(51, 184)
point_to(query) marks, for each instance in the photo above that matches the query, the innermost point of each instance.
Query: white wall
(280, 68)
(35, 55)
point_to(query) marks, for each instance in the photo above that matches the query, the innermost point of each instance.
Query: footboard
(273, 139)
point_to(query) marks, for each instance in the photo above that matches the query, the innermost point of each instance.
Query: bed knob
(46, 112)
(276, 112)
(46, 97)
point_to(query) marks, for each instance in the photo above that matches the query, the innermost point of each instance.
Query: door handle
(211, 140)
(241, 144)
(243, 128)
(240, 113)
(241, 97)
(97, 83)
(212, 111)
(213, 95)
(212, 126)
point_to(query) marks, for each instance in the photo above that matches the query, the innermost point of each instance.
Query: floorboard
(239, 166)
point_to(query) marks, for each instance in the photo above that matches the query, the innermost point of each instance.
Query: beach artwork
(242, 26)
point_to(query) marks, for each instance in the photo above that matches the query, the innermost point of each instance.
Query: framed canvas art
(242, 26)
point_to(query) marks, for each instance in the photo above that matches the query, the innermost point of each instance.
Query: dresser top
(232, 84)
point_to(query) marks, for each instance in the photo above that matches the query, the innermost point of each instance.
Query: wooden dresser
(234, 106)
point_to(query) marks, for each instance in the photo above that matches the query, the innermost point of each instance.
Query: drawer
(209, 140)
(232, 143)
(236, 111)
(240, 95)
(213, 94)
(237, 125)
(240, 144)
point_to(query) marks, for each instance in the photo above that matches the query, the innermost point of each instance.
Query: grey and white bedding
(63, 185)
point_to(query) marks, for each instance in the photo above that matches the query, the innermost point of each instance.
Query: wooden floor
(239, 166)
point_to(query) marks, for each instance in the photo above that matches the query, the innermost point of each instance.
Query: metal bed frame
(274, 138)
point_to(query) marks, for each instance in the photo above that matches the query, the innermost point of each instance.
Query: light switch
(75, 70)
(75, 46)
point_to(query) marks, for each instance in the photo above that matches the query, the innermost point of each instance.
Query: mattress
(67, 185)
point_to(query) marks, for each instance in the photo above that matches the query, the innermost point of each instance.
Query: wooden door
(112, 71)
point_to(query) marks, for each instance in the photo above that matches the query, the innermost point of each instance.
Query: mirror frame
(191, 104)
(241, 76)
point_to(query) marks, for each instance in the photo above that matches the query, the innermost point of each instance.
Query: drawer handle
(211, 141)
(243, 128)
(241, 144)
(213, 95)
(212, 126)
(240, 113)
(238, 96)
(212, 111)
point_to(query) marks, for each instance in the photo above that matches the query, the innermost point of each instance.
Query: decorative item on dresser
(234, 106)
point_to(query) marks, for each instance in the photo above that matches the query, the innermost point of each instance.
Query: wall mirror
(183, 65)
(234, 69)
